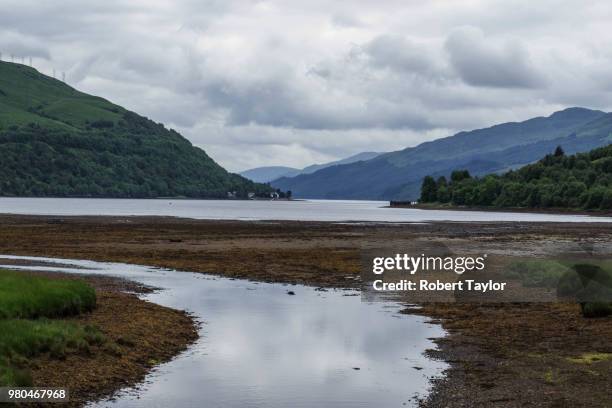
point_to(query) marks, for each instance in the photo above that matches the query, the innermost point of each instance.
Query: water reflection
(260, 347)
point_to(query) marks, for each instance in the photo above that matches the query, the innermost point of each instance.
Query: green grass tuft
(26, 304)
(24, 339)
(24, 296)
(15, 377)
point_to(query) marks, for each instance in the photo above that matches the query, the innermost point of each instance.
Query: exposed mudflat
(521, 355)
(502, 355)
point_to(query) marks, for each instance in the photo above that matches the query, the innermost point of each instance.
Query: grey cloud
(396, 52)
(69, 19)
(481, 64)
(292, 82)
(346, 20)
(144, 60)
(276, 102)
(21, 46)
(80, 70)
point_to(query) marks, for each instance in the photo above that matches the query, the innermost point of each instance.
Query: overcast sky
(297, 82)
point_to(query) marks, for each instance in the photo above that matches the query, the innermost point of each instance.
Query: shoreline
(157, 198)
(551, 211)
(494, 356)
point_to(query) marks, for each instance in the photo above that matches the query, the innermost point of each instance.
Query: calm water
(311, 210)
(260, 347)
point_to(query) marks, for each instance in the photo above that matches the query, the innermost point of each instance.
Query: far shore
(161, 198)
(558, 211)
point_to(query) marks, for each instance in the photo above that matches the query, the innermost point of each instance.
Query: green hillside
(580, 181)
(57, 141)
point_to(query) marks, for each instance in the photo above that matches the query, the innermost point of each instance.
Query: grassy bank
(23, 296)
(21, 340)
(27, 304)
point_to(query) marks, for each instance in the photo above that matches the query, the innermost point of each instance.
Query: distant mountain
(57, 141)
(398, 175)
(267, 174)
(270, 173)
(363, 156)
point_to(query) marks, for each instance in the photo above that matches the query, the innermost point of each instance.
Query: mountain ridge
(270, 173)
(397, 175)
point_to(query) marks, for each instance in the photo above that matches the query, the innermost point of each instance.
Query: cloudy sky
(294, 82)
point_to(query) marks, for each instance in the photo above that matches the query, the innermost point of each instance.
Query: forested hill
(56, 141)
(580, 181)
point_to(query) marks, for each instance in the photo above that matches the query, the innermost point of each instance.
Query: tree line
(580, 181)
